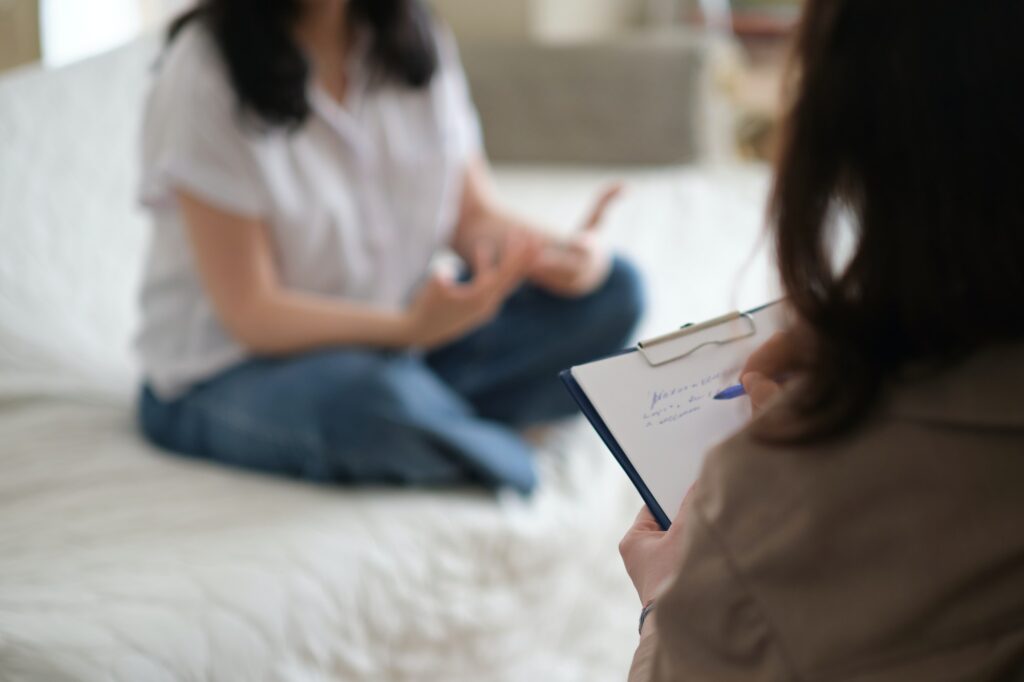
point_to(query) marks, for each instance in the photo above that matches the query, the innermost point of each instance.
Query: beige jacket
(895, 553)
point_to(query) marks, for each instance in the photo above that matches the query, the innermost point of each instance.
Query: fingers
(563, 261)
(760, 388)
(559, 280)
(604, 200)
(443, 285)
(518, 255)
(560, 260)
(643, 526)
(497, 272)
(484, 258)
(489, 262)
(779, 355)
(645, 521)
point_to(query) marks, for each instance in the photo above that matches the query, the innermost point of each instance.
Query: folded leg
(348, 416)
(508, 369)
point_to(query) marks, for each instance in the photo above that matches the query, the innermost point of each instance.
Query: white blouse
(358, 200)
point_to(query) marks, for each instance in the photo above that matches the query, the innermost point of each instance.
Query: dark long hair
(267, 68)
(908, 116)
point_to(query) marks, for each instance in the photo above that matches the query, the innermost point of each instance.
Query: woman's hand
(650, 554)
(444, 309)
(579, 265)
(783, 355)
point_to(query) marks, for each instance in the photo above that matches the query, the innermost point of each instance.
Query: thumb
(604, 200)
(441, 284)
(645, 521)
(760, 388)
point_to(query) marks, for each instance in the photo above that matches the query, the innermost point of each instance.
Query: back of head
(906, 116)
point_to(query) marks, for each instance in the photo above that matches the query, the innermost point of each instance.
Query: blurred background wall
(556, 81)
(19, 32)
(75, 29)
(61, 31)
(542, 20)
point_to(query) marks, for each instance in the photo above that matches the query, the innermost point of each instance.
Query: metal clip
(657, 351)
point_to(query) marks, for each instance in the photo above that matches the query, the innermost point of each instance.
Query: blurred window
(73, 29)
(76, 29)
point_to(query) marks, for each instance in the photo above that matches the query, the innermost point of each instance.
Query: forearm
(482, 219)
(284, 322)
(492, 226)
(642, 669)
(235, 259)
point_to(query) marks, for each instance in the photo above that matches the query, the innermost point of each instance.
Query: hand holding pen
(768, 368)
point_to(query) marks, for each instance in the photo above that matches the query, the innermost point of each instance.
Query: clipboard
(691, 364)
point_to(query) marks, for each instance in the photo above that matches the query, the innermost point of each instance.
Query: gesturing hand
(444, 310)
(579, 265)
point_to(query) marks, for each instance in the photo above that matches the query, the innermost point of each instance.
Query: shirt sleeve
(709, 627)
(193, 136)
(463, 122)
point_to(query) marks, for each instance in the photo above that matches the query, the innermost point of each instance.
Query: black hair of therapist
(869, 523)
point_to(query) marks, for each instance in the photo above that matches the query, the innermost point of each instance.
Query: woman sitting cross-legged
(303, 163)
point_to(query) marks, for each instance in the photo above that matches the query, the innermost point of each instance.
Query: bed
(121, 562)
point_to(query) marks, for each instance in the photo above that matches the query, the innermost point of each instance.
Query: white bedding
(118, 562)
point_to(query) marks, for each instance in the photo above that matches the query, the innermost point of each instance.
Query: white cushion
(72, 235)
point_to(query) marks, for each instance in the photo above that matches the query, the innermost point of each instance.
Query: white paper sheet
(664, 417)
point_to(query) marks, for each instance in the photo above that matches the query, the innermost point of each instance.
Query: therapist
(868, 525)
(304, 162)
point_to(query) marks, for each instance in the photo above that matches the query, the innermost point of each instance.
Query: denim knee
(151, 417)
(158, 421)
(387, 399)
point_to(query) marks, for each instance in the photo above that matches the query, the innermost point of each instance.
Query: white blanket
(118, 562)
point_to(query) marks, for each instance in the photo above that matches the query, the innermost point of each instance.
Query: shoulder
(754, 527)
(192, 68)
(448, 58)
(191, 95)
(770, 499)
(191, 134)
(444, 38)
(860, 524)
(917, 431)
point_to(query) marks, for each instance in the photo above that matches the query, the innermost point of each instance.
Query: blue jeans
(449, 417)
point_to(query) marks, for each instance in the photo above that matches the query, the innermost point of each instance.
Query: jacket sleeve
(643, 660)
(709, 626)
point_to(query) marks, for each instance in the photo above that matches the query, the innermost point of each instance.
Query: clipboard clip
(663, 349)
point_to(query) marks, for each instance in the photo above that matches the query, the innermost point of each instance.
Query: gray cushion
(629, 100)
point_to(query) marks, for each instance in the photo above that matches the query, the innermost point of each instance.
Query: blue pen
(738, 391)
(731, 392)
